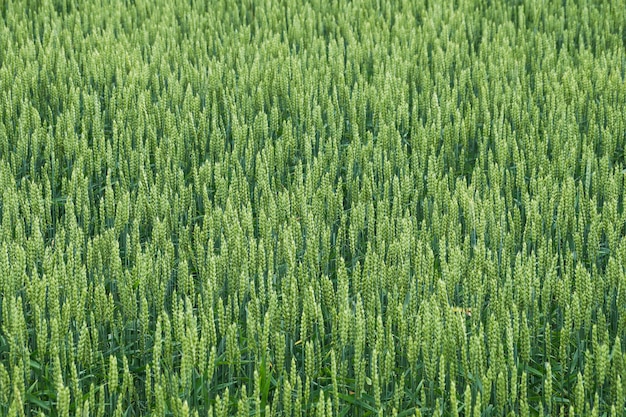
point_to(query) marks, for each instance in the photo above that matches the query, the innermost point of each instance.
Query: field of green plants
(322, 208)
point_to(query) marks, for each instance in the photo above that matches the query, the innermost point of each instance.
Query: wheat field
(312, 208)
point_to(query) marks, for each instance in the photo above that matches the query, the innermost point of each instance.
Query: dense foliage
(286, 208)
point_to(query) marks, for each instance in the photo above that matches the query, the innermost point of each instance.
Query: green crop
(322, 208)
